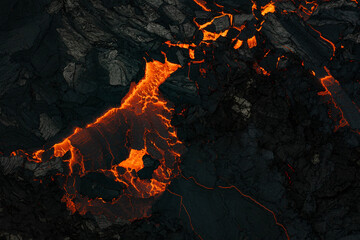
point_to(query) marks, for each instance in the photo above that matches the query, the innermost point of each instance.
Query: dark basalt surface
(255, 144)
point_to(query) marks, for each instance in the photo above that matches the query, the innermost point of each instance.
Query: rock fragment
(9, 164)
(121, 70)
(159, 30)
(242, 106)
(71, 73)
(174, 14)
(48, 127)
(77, 45)
(44, 168)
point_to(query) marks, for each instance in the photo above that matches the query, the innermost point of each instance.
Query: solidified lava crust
(179, 119)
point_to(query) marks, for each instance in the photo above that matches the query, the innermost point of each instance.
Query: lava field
(180, 119)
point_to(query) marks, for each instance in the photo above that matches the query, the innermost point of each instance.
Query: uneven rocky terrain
(264, 102)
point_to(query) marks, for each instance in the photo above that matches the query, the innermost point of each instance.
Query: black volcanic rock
(261, 141)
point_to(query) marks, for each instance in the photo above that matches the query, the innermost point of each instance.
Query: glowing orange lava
(140, 126)
(238, 44)
(326, 82)
(180, 45)
(213, 36)
(325, 39)
(192, 53)
(252, 42)
(268, 8)
(147, 118)
(308, 8)
(37, 155)
(202, 4)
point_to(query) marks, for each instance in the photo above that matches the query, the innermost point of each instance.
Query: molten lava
(268, 8)
(117, 142)
(115, 145)
(327, 82)
(202, 4)
(238, 44)
(252, 42)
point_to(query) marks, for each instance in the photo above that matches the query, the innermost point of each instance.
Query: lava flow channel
(115, 144)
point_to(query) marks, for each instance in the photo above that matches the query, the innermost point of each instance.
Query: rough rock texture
(260, 139)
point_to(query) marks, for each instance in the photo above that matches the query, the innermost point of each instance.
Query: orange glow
(268, 8)
(278, 60)
(210, 36)
(202, 26)
(61, 148)
(180, 45)
(147, 116)
(241, 193)
(202, 4)
(253, 8)
(238, 44)
(220, 6)
(37, 155)
(260, 70)
(260, 26)
(239, 28)
(261, 205)
(186, 211)
(198, 62)
(308, 10)
(326, 40)
(326, 82)
(134, 161)
(202, 72)
(213, 36)
(154, 114)
(185, 46)
(252, 42)
(192, 53)
(267, 53)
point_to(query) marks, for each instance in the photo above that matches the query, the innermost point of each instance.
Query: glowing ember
(134, 161)
(268, 8)
(202, 4)
(308, 9)
(192, 53)
(180, 45)
(326, 40)
(252, 42)
(260, 70)
(238, 44)
(37, 155)
(327, 82)
(213, 36)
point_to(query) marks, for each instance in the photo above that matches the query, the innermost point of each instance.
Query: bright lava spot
(238, 44)
(252, 42)
(268, 8)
